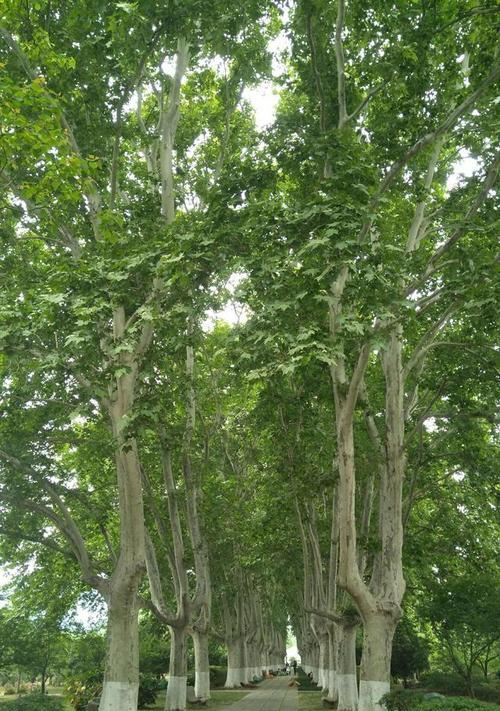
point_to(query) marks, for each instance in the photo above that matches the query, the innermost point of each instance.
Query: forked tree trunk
(177, 673)
(121, 678)
(346, 675)
(201, 666)
(379, 628)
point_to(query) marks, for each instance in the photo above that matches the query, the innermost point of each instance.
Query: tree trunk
(234, 671)
(177, 673)
(379, 628)
(121, 676)
(332, 664)
(346, 676)
(245, 672)
(323, 662)
(201, 666)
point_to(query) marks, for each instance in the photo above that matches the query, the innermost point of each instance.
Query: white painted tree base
(370, 693)
(234, 678)
(119, 696)
(202, 685)
(176, 693)
(323, 678)
(348, 692)
(332, 685)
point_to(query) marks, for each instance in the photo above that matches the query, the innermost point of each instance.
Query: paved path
(271, 695)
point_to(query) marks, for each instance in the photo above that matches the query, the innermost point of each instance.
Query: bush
(148, 690)
(80, 690)
(35, 702)
(401, 700)
(447, 683)
(218, 676)
(456, 703)
(9, 690)
(487, 691)
(408, 700)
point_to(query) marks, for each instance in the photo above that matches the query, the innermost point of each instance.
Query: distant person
(294, 665)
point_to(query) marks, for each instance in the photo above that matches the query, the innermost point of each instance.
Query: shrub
(488, 690)
(447, 683)
(80, 690)
(456, 703)
(34, 702)
(148, 690)
(409, 700)
(401, 700)
(9, 690)
(218, 676)
(450, 683)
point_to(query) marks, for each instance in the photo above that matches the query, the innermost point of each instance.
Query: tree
(410, 652)
(108, 176)
(365, 246)
(134, 185)
(33, 646)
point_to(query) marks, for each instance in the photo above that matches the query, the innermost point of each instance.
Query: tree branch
(356, 381)
(339, 55)
(375, 90)
(169, 119)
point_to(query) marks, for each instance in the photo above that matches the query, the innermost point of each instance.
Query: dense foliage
(328, 459)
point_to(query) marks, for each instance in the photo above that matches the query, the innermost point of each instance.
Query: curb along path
(271, 695)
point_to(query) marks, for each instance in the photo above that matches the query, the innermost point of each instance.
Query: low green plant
(82, 689)
(410, 700)
(488, 691)
(444, 682)
(401, 700)
(149, 686)
(218, 676)
(456, 703)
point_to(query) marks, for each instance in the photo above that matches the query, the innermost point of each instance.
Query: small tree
(410, 652)
(464, 614)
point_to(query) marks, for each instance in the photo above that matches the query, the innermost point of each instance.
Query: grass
(52, 691)
(219, 700)
(311, 701)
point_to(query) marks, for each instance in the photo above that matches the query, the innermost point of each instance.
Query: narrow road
(271, 695)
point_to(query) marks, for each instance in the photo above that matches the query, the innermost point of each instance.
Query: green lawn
(310, 701)
(219, 700)
(54, 692)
